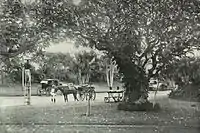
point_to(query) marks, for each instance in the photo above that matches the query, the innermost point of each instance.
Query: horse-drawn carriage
(86, 91)
(46, 85)
(82, 91)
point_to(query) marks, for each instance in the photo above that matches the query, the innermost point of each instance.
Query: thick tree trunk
(136, 84)
(134, 79)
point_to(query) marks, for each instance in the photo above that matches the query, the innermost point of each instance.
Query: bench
(114, 95)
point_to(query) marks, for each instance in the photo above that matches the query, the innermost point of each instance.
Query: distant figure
(110, 88)
(118, 93)
(27, 77)
(117, 87)
(53, 94)
(27, 65)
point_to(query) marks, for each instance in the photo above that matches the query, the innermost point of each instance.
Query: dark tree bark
(134, 78)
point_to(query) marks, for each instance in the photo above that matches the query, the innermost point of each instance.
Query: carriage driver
(53, 94)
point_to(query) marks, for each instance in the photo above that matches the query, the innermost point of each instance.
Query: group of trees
(144, 37)
(78, 68)
(184, 71)
(83, 67)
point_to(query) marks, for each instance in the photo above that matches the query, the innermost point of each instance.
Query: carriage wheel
(106, 100)
(39, 93)
(120, 99)
(91, 95)
(81, 96)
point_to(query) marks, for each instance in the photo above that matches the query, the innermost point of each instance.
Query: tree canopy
(19, 32)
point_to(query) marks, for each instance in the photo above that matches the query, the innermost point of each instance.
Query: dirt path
(44, 101)
(161, 97)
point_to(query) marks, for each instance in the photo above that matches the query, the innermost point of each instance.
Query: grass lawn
(102, 114)
(104, 118)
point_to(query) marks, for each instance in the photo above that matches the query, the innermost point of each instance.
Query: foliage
(143, 36)
(189, 92)
(54, 65)
(14, 71)
(19, 33)
(184, 71)
(88, 67)
(62, 66)
(71, 68)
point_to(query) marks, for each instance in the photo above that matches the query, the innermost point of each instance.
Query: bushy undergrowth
(188, 93)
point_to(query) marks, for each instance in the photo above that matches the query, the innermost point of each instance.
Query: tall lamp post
(26, 81)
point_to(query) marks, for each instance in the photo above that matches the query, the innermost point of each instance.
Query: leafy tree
(19, 34)
(184, 71)
(143, 36)
(55, 65)
(84, 66)
(13, 72)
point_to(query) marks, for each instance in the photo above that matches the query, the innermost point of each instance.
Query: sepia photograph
(99, 66)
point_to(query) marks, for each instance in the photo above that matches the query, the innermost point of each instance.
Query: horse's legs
(75, 97)
(86, 96)
(54, 99)
(64, 97)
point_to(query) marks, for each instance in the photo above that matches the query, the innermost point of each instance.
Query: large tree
(54, 65)
(184, 71)
(19, 32)
(84, 66)
(143, 36)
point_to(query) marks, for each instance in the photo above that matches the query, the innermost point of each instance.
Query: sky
(69, 47)
(65, 47)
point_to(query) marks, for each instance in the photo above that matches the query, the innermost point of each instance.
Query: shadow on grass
(101, 114)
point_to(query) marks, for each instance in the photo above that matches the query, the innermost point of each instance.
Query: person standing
(53, 94)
